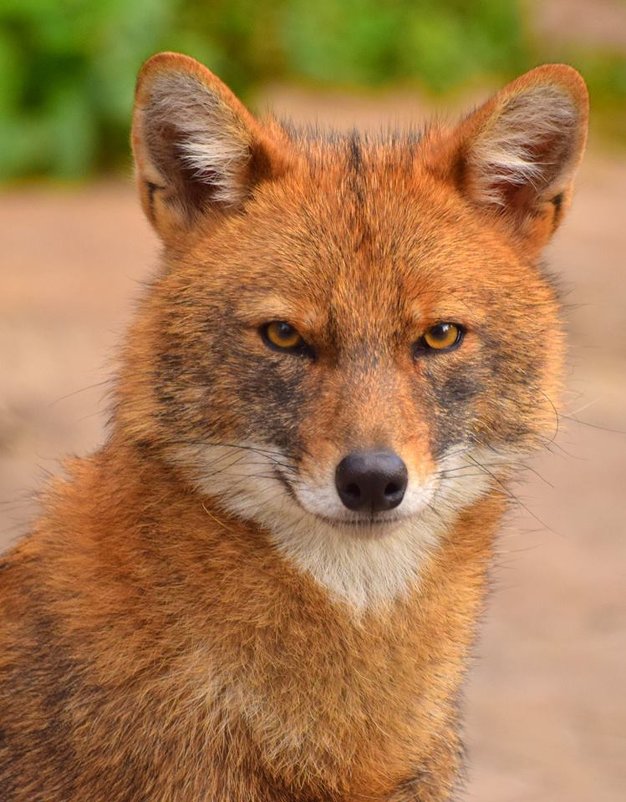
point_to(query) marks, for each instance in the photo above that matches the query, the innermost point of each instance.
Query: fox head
(350, 338)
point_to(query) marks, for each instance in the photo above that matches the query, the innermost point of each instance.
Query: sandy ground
(546, 699)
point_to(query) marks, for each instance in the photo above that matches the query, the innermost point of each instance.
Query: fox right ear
(197, 149)
(516, 156)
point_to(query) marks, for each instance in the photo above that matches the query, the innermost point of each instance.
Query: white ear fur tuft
(515, 157)
(528, 142)
(197, 149)
(213, 143)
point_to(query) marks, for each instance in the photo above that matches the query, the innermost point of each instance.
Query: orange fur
(184, 623)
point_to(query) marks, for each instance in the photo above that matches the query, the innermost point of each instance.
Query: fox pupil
(284, 330)
(441, 331)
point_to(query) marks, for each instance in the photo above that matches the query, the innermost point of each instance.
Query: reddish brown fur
(135, 713)
(156, 646)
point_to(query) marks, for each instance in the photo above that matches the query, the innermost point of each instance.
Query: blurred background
(67, 67)
(547, 696)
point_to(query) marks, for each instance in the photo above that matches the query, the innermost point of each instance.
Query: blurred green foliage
(67, 67)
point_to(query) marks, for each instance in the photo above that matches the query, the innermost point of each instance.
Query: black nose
(371, 480)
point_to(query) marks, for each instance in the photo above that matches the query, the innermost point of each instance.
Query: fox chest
(331, 717)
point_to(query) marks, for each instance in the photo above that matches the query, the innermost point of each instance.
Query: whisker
(277, 457)
(79, 391)
(596, 426)
(511, 495)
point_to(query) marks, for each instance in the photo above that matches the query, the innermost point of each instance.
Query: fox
(265, 585)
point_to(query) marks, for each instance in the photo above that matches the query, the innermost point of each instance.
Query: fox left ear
(198, 151)
(516, 156)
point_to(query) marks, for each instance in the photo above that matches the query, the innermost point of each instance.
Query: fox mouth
(372, 524)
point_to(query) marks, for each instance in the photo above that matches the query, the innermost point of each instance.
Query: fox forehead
(357, 242)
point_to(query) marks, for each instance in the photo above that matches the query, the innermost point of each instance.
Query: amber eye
(283, 336)
(442, 337)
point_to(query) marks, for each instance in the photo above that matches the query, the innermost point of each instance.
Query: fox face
(351, 339)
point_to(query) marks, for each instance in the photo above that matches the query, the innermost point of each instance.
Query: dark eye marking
(459, 389)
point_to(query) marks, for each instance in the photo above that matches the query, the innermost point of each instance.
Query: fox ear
(516, 156)
(197, 149)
